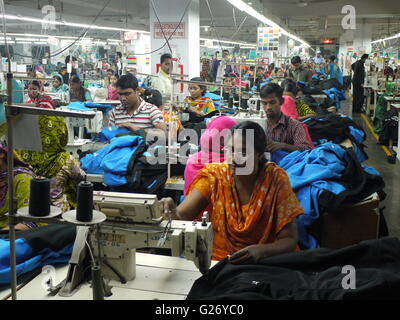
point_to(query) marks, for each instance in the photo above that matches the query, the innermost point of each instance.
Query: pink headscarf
(289, 107)
(211, 148)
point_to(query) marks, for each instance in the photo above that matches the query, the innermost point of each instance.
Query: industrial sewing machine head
(134, 221)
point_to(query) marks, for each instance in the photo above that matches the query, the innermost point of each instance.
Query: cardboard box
(349, 224)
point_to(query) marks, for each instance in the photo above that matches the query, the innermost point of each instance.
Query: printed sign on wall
(168, 29)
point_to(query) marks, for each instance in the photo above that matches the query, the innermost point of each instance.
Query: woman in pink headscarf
(211, 147)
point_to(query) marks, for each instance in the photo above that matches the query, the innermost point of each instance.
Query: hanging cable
(213, 24)
(238, 29)
(161, 27)
(81, 37)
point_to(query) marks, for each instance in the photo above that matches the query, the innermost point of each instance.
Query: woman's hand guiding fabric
(168, 208)
(249, 255)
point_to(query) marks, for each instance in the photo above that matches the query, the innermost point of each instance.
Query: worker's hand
(275, 146)
(168, 207)
(249, 255)
(128, 126)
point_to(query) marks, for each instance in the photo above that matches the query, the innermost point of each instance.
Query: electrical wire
(238, 29)
(161, 27)
(213, 24)
(82, 36)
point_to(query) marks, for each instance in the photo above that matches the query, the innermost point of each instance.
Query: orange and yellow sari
(272, 206)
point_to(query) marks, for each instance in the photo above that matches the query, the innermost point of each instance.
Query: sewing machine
(94, 125)
(134, 221)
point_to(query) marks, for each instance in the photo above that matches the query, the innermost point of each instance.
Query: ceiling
(311, 20)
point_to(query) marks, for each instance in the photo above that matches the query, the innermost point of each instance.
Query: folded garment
(78, 106)
(109, 133)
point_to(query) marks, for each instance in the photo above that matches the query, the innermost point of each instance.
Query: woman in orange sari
(253, 207)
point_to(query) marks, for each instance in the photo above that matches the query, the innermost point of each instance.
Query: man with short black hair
(358, 82)
(163, 81)
(283, 133)
(134, 113)
(298, 72)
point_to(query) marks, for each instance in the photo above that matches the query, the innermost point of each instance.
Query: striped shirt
(289, 131)
(145, 117)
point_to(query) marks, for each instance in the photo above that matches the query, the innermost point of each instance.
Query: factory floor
(390, 172)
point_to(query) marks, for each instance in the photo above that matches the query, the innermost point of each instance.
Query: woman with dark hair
(77, 92)
(198, 102)
(289, 95)
(36, 96)
(154, 97)
(112, 91)
(253, 208)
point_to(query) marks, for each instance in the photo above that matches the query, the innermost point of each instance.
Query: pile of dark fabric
(316, 274)
(321, 109)
(337, 128)
(332, 88)
(320, 85)
(36, 248)
(390, 128)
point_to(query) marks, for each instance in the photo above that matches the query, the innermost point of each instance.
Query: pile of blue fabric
(336, 95)
(325, 178)
(36, 248)
(88, 106)
(115, 160)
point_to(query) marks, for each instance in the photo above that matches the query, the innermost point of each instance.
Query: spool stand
(12, 111)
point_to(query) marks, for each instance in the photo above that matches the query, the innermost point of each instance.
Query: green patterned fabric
(54, 137)
(380, 111)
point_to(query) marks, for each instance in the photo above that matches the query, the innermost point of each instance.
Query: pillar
(185, 44)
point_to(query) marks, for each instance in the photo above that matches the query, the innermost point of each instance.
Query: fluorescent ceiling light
(27, 39)
(70, 24)
(242, 6)
(386, 39)
(231, 42)
(24, 42)
(216, 47)
(41, 35)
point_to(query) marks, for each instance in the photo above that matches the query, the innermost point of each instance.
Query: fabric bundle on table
(115, 160)
(36, 248)
(315, 274)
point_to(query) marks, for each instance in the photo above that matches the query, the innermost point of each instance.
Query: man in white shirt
(163, 81)
(318, 59)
